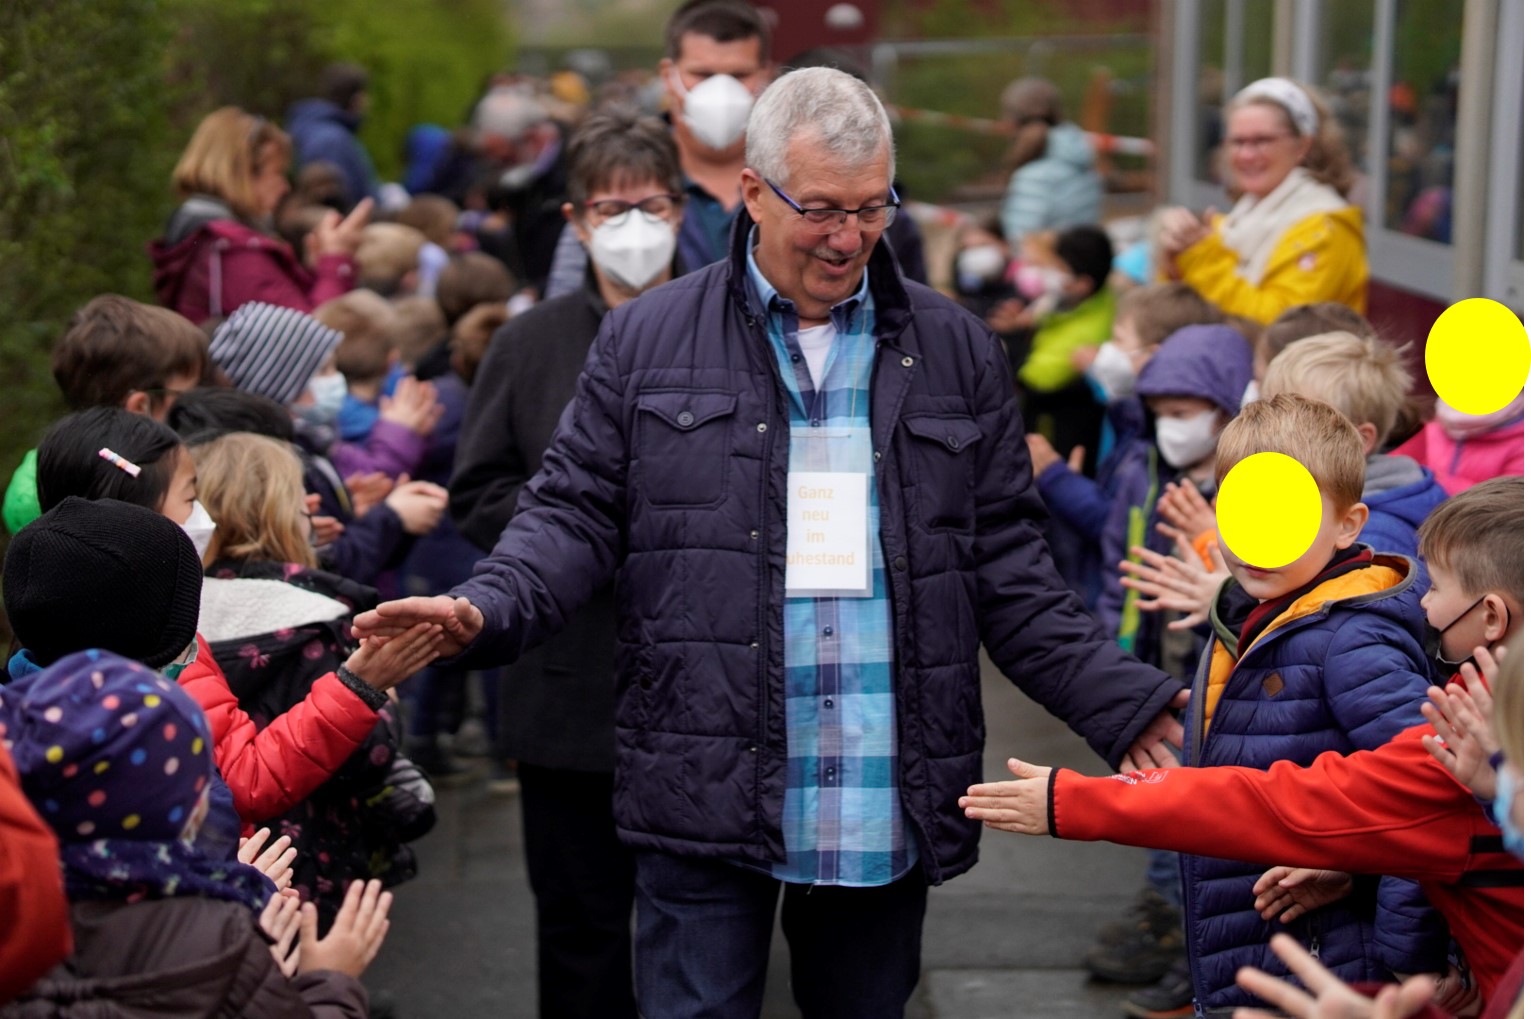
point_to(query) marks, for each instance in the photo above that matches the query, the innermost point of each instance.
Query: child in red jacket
(267, 771)
(1393, 810)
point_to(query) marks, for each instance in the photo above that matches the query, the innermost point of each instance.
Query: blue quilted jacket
(1341, 670)
(668, 473)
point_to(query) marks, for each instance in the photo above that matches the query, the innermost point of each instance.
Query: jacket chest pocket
(941, 468)
(683, 442)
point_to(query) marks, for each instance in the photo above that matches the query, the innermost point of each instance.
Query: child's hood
(1210, 362)
(1399, 487)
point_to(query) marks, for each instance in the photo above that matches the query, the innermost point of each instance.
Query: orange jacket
(1392, 810)
(272, 769)
(35, 934)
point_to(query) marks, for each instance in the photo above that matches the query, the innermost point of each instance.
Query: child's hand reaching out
(1019, 806)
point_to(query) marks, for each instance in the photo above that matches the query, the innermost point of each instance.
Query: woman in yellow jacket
(1291, 237)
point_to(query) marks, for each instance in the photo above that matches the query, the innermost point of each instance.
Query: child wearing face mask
(289, 356)
(1190, 389)
(267, 770)
(279, 626)
(1441, 803)
(1465, 449)
(1145, 316)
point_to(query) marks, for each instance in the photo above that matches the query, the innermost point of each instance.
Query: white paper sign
(828, 552)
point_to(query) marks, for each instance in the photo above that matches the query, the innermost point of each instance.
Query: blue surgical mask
(329, 393)
(1506, 785)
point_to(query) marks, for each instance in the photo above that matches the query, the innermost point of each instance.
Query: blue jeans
(704, 938)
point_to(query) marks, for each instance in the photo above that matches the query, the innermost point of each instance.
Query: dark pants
(583, 880)
(704, 938)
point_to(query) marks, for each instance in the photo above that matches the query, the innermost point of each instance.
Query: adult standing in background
(558, 702)
(808, 554)
(717, 60)
(324, 130)
(1053, 180)
(218, 250)
(1292, 237)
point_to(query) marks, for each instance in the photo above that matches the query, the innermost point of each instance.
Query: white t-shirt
(815, 343)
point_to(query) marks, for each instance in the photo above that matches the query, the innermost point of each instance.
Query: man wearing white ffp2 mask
(716, 62)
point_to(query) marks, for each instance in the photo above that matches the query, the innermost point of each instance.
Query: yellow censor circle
(1477, 356)
(1269, 510)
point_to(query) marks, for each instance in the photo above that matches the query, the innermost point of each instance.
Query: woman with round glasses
(1292, 237)
(219, 249)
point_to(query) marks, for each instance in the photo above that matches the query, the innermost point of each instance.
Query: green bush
(98, 97)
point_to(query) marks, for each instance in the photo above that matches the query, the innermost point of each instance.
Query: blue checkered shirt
(842, 820)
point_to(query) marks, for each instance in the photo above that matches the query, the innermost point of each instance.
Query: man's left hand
(1011, 806)
(1148, 751)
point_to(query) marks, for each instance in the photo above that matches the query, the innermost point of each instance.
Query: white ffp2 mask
(1113, 370)
(717, 110)
(1187, 441)
(199, 527)
(634, 251)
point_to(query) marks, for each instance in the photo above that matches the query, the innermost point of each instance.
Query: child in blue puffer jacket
(1321, 655)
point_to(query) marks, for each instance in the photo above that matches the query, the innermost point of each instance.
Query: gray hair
(507, 112)
(841, 111)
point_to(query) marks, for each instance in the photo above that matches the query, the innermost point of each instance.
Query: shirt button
(829, 702)
(829, 631)
(829, 773)
(760, 427)
(685, 419)
(908, 362)
(814, 422)
(796, 358)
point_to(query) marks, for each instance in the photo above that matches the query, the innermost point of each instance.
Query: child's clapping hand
(1184, 507)
(413, 405)
(384, 663)
(1465, 740)
(275, 862)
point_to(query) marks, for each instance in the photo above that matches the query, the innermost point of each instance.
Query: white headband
(1290, 96)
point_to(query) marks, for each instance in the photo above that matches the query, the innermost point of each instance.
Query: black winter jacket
(669, 471)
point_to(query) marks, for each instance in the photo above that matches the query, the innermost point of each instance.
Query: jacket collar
(1386, 576)
(890, 298)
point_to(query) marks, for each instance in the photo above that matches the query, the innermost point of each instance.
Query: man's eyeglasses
(614, 210)
(827, 221)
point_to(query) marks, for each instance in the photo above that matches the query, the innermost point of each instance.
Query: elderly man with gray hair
(809, 481)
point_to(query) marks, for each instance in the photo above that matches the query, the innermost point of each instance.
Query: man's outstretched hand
(460, 620)
(1148, 750)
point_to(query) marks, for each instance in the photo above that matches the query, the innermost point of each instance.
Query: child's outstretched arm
(1019, 806)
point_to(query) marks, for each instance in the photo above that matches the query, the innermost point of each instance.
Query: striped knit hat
(271, 351)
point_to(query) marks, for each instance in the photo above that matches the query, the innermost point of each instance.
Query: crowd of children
(228, 781)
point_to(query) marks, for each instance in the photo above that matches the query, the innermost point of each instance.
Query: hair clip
(116, 460)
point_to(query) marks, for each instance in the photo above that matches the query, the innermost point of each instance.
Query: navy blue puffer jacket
(1341, 670)
(669, 471)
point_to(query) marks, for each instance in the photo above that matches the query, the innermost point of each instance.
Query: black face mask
(1444, 667)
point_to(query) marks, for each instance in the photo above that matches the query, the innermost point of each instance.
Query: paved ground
(1001, 942)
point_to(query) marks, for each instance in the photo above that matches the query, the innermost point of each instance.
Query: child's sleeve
(1374, 679)
(1078, 502)
(1411, 936)
(391, 448)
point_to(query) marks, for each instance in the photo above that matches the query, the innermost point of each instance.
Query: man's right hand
(460, 619)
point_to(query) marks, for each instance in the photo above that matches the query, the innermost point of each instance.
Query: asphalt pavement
(1001, 942)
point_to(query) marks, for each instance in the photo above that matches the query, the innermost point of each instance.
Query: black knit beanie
(103, 574)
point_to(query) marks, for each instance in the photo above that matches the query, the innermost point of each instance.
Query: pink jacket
(1460, 465)
(224, 263)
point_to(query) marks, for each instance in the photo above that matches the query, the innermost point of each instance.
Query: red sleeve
(35, 934)
(1392, 810)
(271, 770)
